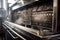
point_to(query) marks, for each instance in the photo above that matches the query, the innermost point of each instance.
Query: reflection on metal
(21, 3)
(14, 32)
(32, 31)
(1, 3)
(26, 33)
(55, 11)
(16, 7)
(12, 2)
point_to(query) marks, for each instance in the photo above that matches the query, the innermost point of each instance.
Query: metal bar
(32, 31)
(14, 32)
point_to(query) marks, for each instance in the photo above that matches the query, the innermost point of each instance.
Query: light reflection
(22, 2)
(49, 14)
(52, 14)
(4, 4)
(12, 2)
(15, 7)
